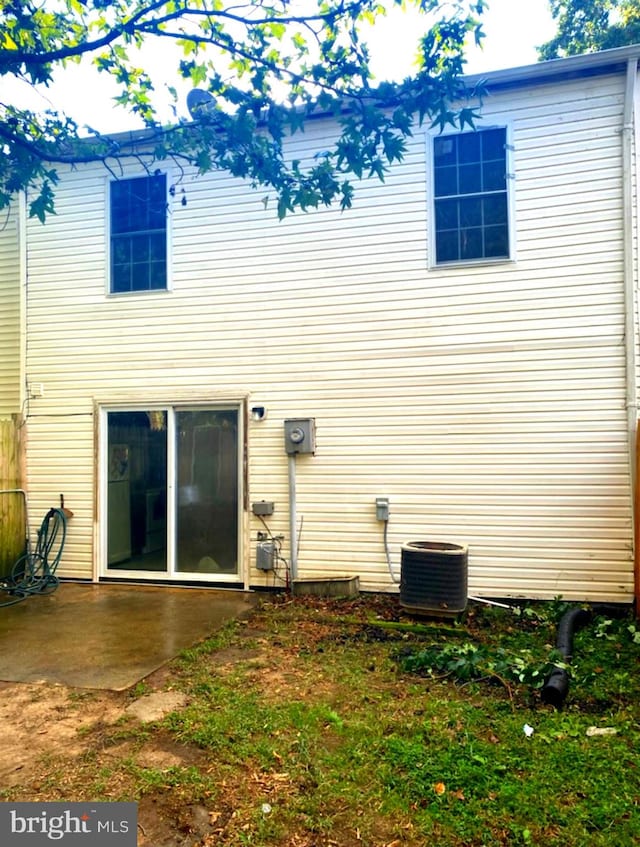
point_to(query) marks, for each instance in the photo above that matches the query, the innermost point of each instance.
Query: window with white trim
(471, 196)
(138, 232)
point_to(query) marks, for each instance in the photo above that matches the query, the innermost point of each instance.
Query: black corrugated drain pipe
(556, 685)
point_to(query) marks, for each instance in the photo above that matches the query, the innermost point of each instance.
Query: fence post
(636, 527)
(12, 516)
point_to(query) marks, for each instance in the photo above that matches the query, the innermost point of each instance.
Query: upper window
(139, 234)
(471, 202)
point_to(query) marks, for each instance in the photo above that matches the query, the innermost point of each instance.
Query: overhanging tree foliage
(585, 26)
(269, 66)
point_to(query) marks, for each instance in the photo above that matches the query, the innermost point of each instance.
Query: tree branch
(257, 59)
(138, 24)
(11, 57)
(250, 23)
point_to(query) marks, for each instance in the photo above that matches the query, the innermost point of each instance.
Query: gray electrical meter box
(300, 435)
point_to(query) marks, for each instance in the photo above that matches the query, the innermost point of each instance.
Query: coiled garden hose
(35, 571)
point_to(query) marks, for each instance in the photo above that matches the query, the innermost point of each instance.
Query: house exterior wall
(10, 312)
(486, 401)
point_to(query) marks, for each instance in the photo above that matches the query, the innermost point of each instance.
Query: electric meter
(300, 435)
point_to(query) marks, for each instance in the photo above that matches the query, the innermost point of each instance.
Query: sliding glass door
(207, 513)
(172, 493)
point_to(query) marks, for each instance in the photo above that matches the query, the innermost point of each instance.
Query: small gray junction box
(263, 508)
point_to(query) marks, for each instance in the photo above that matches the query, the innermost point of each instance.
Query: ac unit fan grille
(434, 577)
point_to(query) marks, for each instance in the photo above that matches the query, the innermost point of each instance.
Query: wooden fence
(636, 525)
(12, 513)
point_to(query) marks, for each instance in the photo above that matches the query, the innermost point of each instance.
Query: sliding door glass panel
(207, 477)
(137, 491)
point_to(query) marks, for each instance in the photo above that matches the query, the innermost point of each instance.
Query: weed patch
(469, 661)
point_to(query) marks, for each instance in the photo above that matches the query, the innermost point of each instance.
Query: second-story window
(470, 195)
(138, 227)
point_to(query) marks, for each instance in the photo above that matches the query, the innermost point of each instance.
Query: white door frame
(171, 575)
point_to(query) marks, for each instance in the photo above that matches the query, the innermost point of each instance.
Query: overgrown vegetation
(346, 723)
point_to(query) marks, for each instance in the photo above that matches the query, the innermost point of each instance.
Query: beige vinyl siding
(9, 311)
(487, 402)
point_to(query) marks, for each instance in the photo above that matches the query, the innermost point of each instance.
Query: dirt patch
(41, 720)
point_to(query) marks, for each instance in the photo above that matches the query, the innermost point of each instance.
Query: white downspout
(22, 253)
(629, 222)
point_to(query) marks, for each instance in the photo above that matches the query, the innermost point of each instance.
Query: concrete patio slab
(109, 636)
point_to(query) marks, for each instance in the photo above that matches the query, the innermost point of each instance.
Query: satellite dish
(200, 103)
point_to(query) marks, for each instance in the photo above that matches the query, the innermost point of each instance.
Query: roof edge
(552, 70)
(569, 67)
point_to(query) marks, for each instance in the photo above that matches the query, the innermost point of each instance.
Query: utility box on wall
(300, 435)
(265, 555)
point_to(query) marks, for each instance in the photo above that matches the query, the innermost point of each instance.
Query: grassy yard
(319, 723)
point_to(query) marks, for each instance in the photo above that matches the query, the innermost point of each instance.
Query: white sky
(513, 29)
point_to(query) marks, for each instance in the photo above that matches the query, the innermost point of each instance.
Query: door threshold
(175, 583)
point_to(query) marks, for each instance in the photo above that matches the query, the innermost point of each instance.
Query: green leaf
(43, 204)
